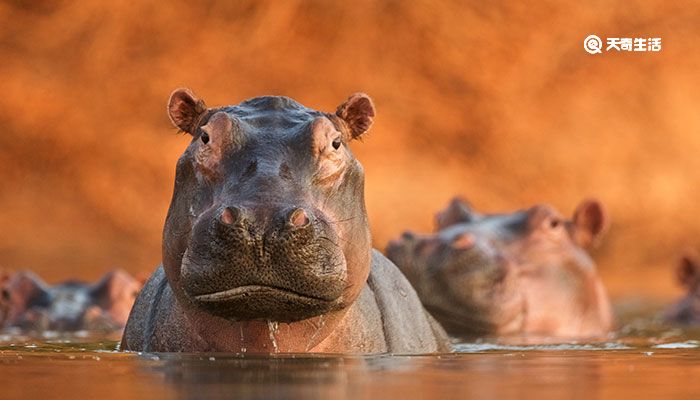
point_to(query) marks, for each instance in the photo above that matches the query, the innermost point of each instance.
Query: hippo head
(34, 305)
(687, 310)
(267, 220)
(502, 272)
(462, 279)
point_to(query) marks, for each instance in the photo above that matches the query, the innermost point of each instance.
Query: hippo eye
(205, 137)
(336, 143)
(554, 223)
(5, 294)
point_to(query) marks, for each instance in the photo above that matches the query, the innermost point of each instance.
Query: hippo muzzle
(244, 263)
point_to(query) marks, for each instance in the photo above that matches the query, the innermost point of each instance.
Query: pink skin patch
(211, 148)
(298, 218)
(331, 155)
(228, 217)
(463, 242)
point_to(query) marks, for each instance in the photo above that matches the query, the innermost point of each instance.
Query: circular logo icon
(592, 44)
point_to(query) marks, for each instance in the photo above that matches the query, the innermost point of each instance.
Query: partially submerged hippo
(499, 274)
(266, 246)
(687, 310)
(30, 304)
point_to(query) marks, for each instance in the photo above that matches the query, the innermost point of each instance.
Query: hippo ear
(4, 293)
(688, 270)
(358, 113)
(22, 287)
(185, 109)
(457, 212)
(113, 286)
(589, 223)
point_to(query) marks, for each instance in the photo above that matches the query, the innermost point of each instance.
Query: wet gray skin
(687, 310)
(266, 246)
(521, 272)
(254, 220)
(462, 280)
(34, 306)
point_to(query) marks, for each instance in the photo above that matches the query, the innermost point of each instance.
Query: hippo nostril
(298, 218)
(463, 241)
(231, 215)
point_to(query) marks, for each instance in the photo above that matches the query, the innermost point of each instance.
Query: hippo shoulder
(142, 311)
(408, 327)
(155, 322)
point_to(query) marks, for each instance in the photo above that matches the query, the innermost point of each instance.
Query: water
(645, 360)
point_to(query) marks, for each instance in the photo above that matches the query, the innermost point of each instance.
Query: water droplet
(272, 327)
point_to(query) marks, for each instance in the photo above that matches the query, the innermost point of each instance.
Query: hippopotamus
(687, 310)
(4, 303)
(266, 244)
(32, 305)
(524, 272)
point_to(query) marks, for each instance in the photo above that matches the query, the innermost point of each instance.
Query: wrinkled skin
(34, 306)
(266, 246)
(520, 273)
(687, 310)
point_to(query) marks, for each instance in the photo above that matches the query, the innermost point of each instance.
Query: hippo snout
(282, 263)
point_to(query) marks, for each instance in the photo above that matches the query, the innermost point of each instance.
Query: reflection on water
(649, 360)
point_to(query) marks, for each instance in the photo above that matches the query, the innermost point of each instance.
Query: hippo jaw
(242, 269)
(261, 299)
(265, 302)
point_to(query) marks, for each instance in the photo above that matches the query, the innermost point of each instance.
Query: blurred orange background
(495, 101)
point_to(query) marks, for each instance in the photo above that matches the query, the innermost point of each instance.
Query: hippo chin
(31, 305)
(519, 273)
(687, 310)
(266, 246)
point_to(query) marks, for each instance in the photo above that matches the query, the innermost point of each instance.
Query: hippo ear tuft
(358, 113)
(688, 270)
(590, 222)
(185, 109)
(457, 212)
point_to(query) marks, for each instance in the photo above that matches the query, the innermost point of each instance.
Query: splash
(273, 327)
(243, 348)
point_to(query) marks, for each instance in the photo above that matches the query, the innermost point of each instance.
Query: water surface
(644, 360)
